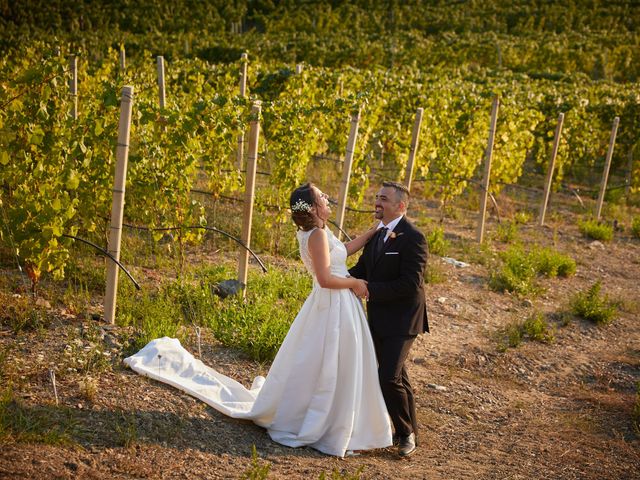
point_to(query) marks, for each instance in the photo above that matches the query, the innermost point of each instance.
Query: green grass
(471, 252)
(594, 306)
(507, 232)
(635, 227)
(435, 274)
(22, 314)
(39, 424)
(519, 269)
(595, 230)
(551, 263)
(438, 245)
(534, 328)
(516, 273)
(521, 217)
(256, 325)
(126, 429)
(153, 314)
(258, 470)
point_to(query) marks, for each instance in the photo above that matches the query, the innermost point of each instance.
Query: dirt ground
(559, 411)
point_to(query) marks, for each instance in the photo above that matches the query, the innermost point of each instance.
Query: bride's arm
(319, 251)
(357, 243)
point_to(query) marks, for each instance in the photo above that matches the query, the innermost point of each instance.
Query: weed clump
(438, 245)
(594, 306)
(21, 313)
(595, 230)
(258, 470)
(507, 232)
(635, 227)
(520, 269)
(534, 328)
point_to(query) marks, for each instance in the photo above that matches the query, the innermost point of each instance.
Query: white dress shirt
(391, 225)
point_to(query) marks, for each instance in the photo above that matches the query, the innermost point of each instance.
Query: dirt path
(559, 411)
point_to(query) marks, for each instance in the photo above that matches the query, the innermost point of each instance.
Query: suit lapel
(398, 231)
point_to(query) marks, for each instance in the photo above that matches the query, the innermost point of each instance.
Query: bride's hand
(372, 231)
(360, 288)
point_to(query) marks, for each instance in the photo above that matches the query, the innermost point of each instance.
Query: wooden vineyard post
(117, 207)
(414, 148)
(250, 187)
(161, 81)
(346, 171)
(484, 193)
(552, 163)
(73, 86)
(607, 166)
(299, 69)
(123, 62)
(243, 92)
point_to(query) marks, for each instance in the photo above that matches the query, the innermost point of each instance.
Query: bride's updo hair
(301, 201)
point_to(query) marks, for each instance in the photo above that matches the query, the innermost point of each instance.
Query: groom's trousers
(392, 353)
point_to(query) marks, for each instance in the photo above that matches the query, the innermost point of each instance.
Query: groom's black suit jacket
(395, 277)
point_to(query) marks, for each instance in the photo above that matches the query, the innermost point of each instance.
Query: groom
(393, 264)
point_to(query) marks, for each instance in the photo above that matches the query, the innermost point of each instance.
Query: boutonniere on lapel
(394, 235)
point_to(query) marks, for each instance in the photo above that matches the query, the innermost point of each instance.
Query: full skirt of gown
(321, 391)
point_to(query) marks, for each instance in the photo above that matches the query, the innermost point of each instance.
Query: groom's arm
(359, 270)
(411, 279)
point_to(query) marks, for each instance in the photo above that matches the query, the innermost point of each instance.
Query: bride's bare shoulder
(317, 234)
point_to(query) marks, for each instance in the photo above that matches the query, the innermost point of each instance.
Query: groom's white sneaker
(406, 445)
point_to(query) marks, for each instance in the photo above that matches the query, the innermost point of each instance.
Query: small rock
(441, 300)
(419, 360)
(41, 302)
(527, 303)
(437, 388)
(482, 360)
(596, 244)
(227, 288)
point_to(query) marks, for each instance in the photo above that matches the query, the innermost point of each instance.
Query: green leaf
(36, 137)
(73, 180)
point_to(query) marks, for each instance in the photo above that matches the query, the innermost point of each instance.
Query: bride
(322, 389)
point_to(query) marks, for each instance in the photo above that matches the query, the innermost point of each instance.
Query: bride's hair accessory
(301, 206)
(301, 203)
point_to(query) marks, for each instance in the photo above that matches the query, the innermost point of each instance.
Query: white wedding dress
(322, 389)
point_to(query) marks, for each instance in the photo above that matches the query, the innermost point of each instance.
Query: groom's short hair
(401, 190)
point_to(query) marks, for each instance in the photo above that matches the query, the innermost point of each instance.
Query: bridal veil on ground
(322, 389)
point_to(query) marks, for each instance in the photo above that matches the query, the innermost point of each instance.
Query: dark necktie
(382, 232)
